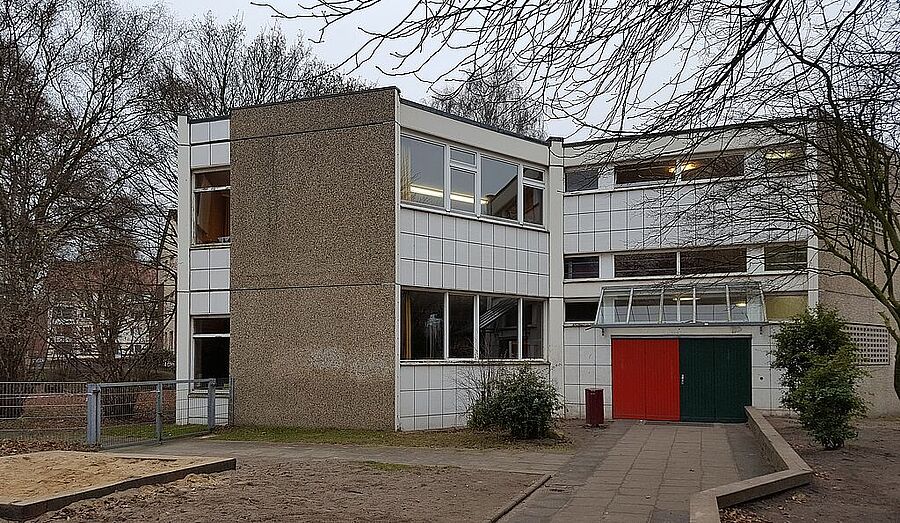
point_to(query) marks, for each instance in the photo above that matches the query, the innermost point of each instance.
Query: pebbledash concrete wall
(313, 261)
(857, 305)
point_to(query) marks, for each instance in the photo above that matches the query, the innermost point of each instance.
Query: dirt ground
(328, 490)
(42, 474)
(860, 482)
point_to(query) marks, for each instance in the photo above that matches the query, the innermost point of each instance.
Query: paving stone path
(641, 473)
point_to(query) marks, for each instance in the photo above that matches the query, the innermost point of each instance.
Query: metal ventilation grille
(872, 342)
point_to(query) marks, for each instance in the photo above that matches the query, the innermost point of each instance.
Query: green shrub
(519, 402)
(821, 371)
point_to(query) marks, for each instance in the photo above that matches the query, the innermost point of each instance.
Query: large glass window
(645, 309)
(212, 344)
(713, 261)
(789, 257)
(580, 311)
(499, 188)
(212, 207)
(498, 332)
(690, 304)
(496, 318)
(645, 264)
(712, 307)
(421, 172)
(421, 325)
(645, 172)
(581, 267)
(582, 179)
(711, 168)
(532, 329)
(786, 305)
(462, 326)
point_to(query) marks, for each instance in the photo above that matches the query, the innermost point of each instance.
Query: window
(581, 267)
(462, 326)
(582, 179)
(645, 264)
(486, 327)
(212, 207)
(740, 303)
(784, 159)
(533, 202)
(713, 261)
(711, 168)
(421, 172)
(532, 329)
(421, 325)
(581, 311)
(498, 333)
(499, 188)
(533, 174)
(790, 257)
(784, 306)
(212, 341)
(462, 180)
(645, 172)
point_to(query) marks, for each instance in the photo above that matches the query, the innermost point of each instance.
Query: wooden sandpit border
(22, 510)
(790, 471)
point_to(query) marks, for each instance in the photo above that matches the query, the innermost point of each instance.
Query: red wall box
(645, 376)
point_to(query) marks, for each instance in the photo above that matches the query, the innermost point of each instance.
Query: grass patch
(459, 438)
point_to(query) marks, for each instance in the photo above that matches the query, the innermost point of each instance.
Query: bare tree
(660, 66)
(495, 99)
(75, 112)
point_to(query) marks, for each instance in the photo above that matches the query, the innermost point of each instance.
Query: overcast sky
(335, 48)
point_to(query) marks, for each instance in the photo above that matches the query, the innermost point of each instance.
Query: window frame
(476, 357)
(521, 181)
(691, 291)
(195, 335)
(678, 263)
(800, 246)
(195, 192)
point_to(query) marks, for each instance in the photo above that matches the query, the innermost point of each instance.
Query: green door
(715, 378)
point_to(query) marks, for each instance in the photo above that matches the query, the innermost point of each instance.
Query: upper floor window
(788, 257)
(714, 261)
(646, 264)
(711, 168)
(456, 179)
(581, 267)
(784, 158)
(421, 171)
(581, 311)
(582, 179)
(212, 207)
(645, 172)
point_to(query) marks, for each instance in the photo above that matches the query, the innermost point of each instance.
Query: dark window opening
(533, 329)
(582, 179)
(790, 257)
(581, 267)
(713, 261)
(421, 172)
(645, 172)
(498, 328)
(212, 207)
(533, 202)
(421, 325)
(499, 189)
(711, 168)
(784, 158)
(581, 311)
(462, 326)
(645, 264)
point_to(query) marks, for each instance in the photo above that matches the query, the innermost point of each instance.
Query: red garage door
(645, 379)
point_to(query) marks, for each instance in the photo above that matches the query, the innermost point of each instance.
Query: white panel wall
(654, 217)
(438, 396)
(588, 363)
(456, 253)
(209, 144)
(210, 280)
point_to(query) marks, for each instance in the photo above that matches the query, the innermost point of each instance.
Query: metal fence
(113, 414)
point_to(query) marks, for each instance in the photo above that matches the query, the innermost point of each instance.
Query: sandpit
(41, 481)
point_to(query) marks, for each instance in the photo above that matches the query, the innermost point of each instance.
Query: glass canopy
(681, 305)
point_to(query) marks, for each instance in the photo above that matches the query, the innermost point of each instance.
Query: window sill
(473, 363)
(198, 246)
(473, 216)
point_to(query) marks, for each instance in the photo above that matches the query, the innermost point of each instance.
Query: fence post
(93, 414)
(159, 411)
(211, 404)
(231, 401)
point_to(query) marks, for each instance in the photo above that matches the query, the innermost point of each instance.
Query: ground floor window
(477, 326)
(212, 347)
